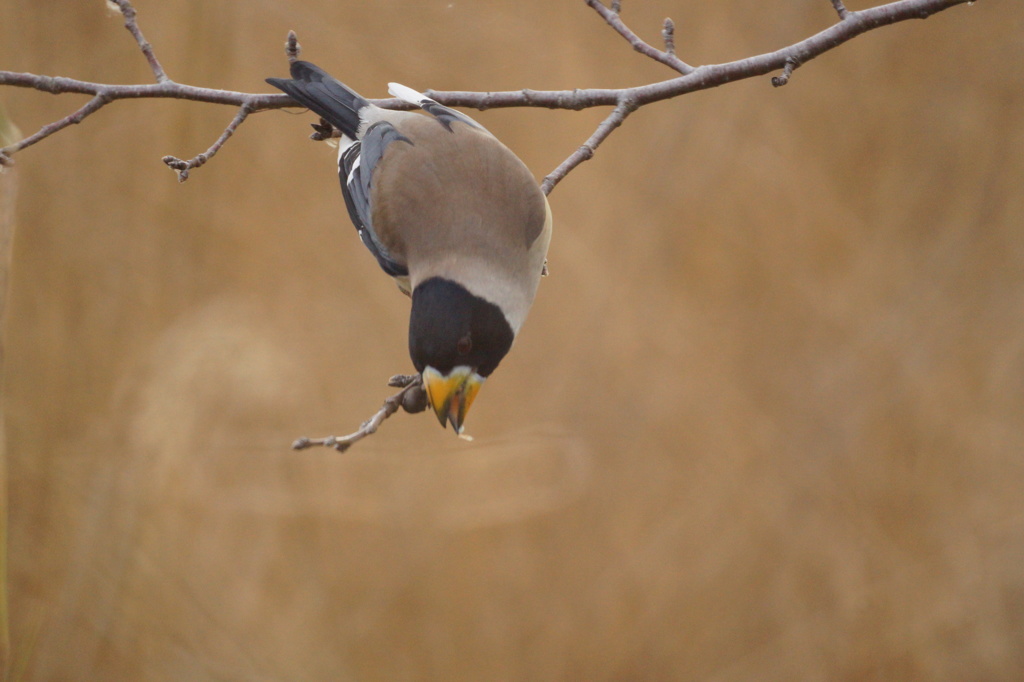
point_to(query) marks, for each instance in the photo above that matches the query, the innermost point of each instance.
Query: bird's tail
(314, 88)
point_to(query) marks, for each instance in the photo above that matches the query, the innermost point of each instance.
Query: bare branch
(103, 94)
(691, 80)
(132, 25)
(667, 57)
(703, 77)
(183, 167)
(412, 398)
(109, 93)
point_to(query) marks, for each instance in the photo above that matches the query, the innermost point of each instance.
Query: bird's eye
(464, 345)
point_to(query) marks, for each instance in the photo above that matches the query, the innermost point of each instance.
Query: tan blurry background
(766, 420)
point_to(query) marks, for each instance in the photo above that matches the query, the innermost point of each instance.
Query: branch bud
(668, 34)
(292, 47)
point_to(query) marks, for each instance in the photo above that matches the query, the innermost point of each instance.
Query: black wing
(355, 169)
(339, 105)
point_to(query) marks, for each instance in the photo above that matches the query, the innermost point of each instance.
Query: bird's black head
(456, 340)
(450, 327)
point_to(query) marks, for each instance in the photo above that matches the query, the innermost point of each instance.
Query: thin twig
(90, 107)
(787, 71)
(841, 9)
(667, 57)
(412, 398)
(587, 149)
(132, 25)
(183, 167)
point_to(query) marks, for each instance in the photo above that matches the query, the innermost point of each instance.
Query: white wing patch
(407, 94)
(352, 171)
(444, 115)
(344, 142)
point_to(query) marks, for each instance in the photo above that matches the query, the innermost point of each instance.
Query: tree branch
(587, 149)
(130, 23)
(412, 396)
(104, 94)
(90, 107)
(183, 167)
(851, 25)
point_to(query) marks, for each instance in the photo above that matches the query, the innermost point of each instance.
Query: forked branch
(691, 79)
(666, 56)
(624, 101)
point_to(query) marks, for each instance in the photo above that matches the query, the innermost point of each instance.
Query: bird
(448, 211)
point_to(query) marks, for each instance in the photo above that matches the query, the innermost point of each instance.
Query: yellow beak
(451, 395)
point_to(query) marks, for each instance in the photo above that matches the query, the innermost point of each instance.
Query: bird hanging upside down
(449, 212)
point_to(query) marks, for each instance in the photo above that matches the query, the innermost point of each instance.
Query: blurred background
(766, 420)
